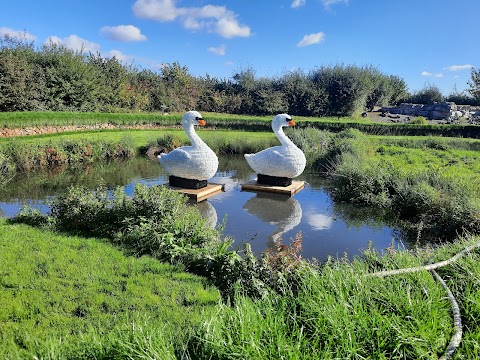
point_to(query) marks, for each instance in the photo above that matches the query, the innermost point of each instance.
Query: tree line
(55, 78)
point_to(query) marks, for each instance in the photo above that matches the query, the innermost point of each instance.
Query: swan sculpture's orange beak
(291, 123)
(201, 122)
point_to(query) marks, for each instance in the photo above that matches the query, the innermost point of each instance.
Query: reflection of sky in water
(252, 217)
(319, 221)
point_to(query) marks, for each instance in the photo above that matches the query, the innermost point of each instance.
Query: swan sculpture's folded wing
(174, 159)
(274, 162)
(178, 154)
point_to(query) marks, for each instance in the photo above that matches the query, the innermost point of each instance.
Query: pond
(327, 228)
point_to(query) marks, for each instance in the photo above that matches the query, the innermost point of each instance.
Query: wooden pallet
(198, 195)
(287, 190)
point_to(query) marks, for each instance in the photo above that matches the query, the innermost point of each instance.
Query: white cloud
(122, 33)
(119, 56)
(459, 67)
(297, 3)
(327, 3)
(74, 42)
(18, 34)
(311, 39)
(218, 50)
(214, 19)
(426, 73)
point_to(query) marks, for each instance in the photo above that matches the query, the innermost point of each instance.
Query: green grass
(234, 122)
(340, 313)
(141, 137)
(459, 164)
(36, 118)
(432, 142)
(71, 297)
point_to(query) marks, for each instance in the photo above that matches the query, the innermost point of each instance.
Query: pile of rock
(447, 111)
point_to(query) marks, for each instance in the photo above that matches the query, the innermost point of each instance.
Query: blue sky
(423, 41)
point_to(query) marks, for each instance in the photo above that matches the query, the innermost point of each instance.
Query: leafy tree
(20, 87)
(474, 84)
(461, 98)
(430, 94)
(180, 87)
(303, 97)
(69, 80)
(112, 79)
(56, 78)
(398, 88)
(347, 88)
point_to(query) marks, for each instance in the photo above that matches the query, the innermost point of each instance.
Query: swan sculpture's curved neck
(283, 138)
(192, 135)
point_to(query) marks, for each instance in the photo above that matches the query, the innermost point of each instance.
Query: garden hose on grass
(457, 321)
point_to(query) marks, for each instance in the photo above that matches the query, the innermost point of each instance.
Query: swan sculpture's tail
(250, 160)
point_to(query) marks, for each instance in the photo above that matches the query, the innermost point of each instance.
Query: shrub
(462, 98)
(430, 94)
(419, 120)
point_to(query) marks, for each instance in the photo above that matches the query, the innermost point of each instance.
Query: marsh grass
(70, 297)
(7, 169)
(430, 182)
(30, 155)
(225, 142)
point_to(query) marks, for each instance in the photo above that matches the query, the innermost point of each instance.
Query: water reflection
(208, 212)
(327, 228)
(319, 221)
(283, 212)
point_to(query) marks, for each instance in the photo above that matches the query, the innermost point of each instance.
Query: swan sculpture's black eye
(198, 118)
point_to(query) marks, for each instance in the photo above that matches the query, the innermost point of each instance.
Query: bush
(462, 98)
(347, 88)
(430, 94)
(56, 78)
(419, 120)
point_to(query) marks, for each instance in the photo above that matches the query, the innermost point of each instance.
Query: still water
(327, 228)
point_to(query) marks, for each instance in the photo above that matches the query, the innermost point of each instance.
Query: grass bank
(277, 306)
(234, 122)
(66, 297)
(432, 184)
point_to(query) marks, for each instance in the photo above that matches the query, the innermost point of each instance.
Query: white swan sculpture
(196, 162)
(285, 161)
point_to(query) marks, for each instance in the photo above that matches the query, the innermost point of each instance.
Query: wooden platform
(287, 190)
(200, 194)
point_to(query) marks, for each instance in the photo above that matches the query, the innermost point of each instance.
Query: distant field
(139, 137)
(233, 122)
(27, 118)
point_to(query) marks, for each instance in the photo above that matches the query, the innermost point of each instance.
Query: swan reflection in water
(208, 212)
(284, 212)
